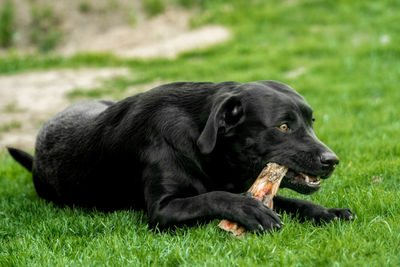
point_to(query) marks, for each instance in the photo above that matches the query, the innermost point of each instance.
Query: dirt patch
(166, 36)
(26, 100)
(118, 26)
(74, 18)
(295, 72)
(122, 36)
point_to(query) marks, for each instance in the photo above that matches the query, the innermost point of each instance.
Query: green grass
(10, 126)
(154, 7)
(7, 23)
(45, 30)
(351, 80)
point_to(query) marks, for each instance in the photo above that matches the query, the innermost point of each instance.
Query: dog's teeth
(307, 179)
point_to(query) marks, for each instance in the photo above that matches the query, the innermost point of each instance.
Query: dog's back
(63, 135)
(91, 153)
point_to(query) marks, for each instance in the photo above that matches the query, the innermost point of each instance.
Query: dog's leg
(307, 210)
(246, 211)
(173, 199)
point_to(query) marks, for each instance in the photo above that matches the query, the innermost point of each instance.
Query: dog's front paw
(254, 215)
(324, 215)
(344, 214)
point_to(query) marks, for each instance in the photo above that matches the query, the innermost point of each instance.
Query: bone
(264, 189)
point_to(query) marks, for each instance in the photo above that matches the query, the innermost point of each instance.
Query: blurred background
(139, 28)
(343, 56)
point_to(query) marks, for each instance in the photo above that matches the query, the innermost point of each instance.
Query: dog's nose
(329, 158)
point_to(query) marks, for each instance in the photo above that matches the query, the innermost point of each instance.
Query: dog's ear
(224, 116)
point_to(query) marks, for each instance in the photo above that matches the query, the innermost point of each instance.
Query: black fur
(183, 152)
(23, 158)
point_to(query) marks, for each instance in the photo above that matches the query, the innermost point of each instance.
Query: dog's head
(264, 122)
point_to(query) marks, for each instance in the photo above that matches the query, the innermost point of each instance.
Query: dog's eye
(313, 120)
(284, 127)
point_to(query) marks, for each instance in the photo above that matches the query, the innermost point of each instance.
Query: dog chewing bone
(264, 188)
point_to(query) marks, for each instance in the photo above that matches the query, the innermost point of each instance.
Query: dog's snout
(329, 158)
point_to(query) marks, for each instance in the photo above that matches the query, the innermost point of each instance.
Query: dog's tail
(22, 157)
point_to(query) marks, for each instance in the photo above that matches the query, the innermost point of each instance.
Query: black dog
(184, 152)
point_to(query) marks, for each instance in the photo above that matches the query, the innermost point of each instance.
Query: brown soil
(26, 100)
(116, 26)
(166, 35)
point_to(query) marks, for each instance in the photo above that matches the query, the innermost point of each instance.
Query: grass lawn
(342, 56)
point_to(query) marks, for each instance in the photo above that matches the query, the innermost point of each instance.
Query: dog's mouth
(301, 182)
